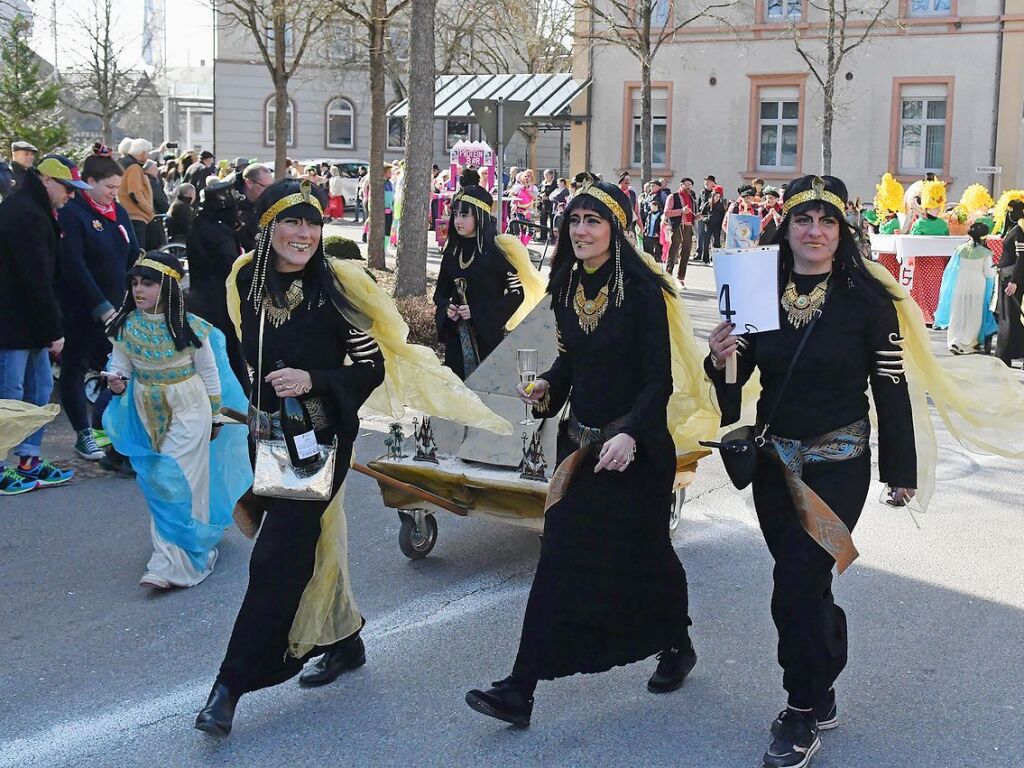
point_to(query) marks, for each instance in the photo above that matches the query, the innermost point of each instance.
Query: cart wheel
(678, 499)
(418, 534)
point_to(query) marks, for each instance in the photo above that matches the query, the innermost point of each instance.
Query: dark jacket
(179, 220)
(212, 249)
(160, 202)
(95, 256)
(30, 315)
(18, 172)
(197, 174)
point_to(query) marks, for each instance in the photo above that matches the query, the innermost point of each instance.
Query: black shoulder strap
(796, 356)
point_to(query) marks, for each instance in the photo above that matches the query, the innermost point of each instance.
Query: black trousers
(280, 567)
(812, 628)
(1010, 339)
(85, 348)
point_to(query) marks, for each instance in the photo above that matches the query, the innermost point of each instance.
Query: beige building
(938, 86)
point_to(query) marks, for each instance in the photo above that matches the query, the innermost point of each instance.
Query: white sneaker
(153, 581)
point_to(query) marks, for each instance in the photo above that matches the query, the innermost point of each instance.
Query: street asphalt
(96, 671)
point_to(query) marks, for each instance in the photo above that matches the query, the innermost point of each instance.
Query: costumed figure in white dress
(170, 374)
(967, 285)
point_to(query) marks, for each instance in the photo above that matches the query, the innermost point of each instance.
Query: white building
(937, 87)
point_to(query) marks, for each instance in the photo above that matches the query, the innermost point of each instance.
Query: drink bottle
(297, 427)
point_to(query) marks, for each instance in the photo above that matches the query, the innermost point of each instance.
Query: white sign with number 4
(747, 280)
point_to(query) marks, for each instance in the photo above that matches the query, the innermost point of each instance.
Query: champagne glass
(526, 361)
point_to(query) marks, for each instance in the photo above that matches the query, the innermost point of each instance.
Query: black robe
(345, 366)
(493, 292)
(853, 343)
(609, 588)
(1010, 341)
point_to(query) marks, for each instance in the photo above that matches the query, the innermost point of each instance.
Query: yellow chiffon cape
(534, 284)
(413, 377)
(18, 420)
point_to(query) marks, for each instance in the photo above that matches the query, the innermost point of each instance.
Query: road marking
(70, 741)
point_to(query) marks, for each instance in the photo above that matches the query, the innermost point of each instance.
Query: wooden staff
(415, 491)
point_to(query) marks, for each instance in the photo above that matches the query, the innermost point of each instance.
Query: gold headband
(589, 188)
(462, 197)
(816, 192)
(304, 195)
(156, 266)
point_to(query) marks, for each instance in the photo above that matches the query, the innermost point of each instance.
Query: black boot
(216, 717)
(503, 701)
(673, 667)
(342, 657)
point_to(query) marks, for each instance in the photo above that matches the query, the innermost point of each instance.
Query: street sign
(990, 169)
(486, 113)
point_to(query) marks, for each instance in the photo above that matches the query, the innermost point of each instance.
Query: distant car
(349, 168)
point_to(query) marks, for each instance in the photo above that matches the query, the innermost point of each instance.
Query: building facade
(936, 87)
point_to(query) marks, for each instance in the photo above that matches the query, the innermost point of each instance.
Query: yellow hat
(933, 195)
(888, 196)
(976, 198)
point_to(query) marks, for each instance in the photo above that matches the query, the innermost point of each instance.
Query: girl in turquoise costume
(173, 367)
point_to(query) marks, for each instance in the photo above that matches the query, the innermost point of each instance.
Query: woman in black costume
(820, 429)
(609, 588)
(478, 288)
(332, 367)
(1010, 293)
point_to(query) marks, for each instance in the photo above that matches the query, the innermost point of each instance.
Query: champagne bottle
(297, 427)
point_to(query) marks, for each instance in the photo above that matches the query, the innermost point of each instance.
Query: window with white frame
(930, 7)
(457, 130)
(343, 46)
(396, 132)
(778, 129)
(783, 10)
(922, 128)
(289, 123)
(341, 121)
(659, 128)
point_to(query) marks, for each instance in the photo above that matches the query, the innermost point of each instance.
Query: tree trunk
(108, 130)
(280, 79)
(827, 117)
(646, 131)
(376, 249)
(419, 149)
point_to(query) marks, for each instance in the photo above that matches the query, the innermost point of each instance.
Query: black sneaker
(824, 712)
(503, 701)
(673, 667)
(795, 742)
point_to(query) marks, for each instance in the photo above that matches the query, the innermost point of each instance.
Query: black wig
(848, 261)
(258, 280)
(564, 262)
(171, 299)
(482, 241)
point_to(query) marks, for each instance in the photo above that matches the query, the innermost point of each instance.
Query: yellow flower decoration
(976, 198)
(889, 196)
(999, 215)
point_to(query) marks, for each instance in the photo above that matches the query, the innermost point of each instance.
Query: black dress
(345, 366)
(1010, 341)
(853, 342)
(609, 589)
(493, 293)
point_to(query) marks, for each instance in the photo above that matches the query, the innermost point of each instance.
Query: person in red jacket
(679, 213)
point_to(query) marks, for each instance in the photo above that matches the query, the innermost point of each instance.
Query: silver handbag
(273, 473)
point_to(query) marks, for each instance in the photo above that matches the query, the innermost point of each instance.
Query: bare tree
(282, 31)
(419, 150)
(825, 60)
(642, 27)
(375, 16)
(103, 86)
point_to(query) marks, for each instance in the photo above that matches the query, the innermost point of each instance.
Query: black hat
(1014, 209)
(472, 193)
(206, 155)
(826, 189)
(154, 265)
(218, 195)
(747, 190)
(291, 197)
(611, 197)
(709, 177)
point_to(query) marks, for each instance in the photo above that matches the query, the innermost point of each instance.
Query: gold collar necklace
(590, 311)
(801, 307)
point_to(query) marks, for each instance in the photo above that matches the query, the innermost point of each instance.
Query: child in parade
(169, 375)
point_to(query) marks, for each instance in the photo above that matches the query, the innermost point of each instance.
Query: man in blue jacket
(30, 317)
